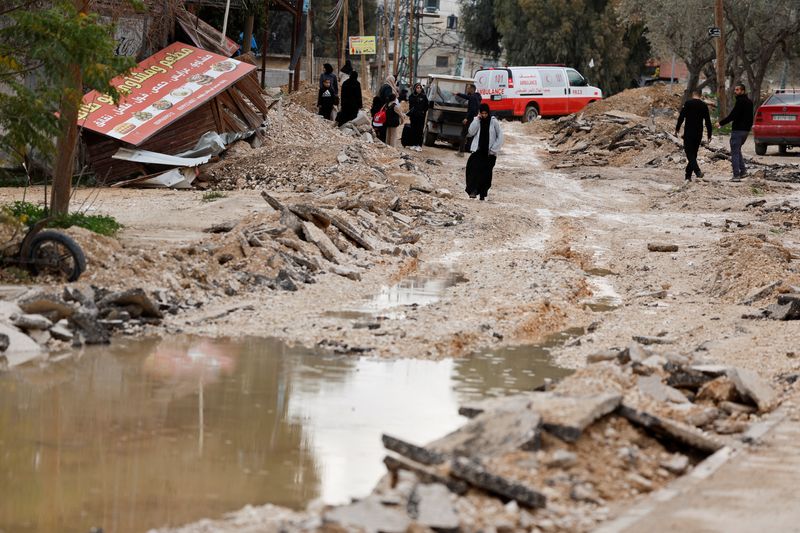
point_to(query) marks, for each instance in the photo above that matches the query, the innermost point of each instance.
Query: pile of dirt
(306, 96)
(644, 101)
(743, 264)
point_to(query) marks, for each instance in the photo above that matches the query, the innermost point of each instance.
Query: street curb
(701, 472)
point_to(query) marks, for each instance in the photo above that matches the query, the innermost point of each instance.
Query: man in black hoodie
(695, 113)
(742, 118)
(473, 99)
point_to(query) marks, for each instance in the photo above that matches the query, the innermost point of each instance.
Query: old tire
(429, 137)
(761, 148)
(531, 113)
(54, 253)
(782, 149)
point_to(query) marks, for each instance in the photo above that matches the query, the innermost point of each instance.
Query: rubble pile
(42, 320)
(556, 459)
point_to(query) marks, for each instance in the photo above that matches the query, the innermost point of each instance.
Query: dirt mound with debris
(306, 96)
(641, 101)
(746, 263)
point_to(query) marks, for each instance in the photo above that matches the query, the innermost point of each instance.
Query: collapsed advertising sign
(160, 90)
(362, 45)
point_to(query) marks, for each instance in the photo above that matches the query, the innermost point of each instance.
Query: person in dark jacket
(695, 113)
(326, 100)
(351, 100)
(417, 108)
(742, 118)
(377, 105)
(328, 74)
(389, 91)
(473, 103)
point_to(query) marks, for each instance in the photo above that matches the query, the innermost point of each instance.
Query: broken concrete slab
(494, 433)
(21, 348)
(685, 377)
(50, 305)
(650, 340)
(562, 459)
(478, 476)
(61, 333)
(318, 237)
(431, 505)
(370, 515)
(653, 387)
(604, 355)
(671, 429)
(30, 321)
(89, 328)
(721, 389)
(677, 464)
(424, 473)
(751, 385)
(563, 416)
(790, 310)
(412, 451)
(345, 271)
(761, 292)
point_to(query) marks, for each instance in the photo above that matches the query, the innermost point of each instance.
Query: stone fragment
(728, 427)
(475, 474)
(761, 292)
(51, 305)
(135, 297)
(494, 433)
(5, 341)
(40, 336)
(92, 331)
(649, 340)
(717, 390)
(652, 386)
(345, 271)
(61, 333)
(659, 247)
(676, 464)
(424, 473)
(686, 378)
(655, 362)
(30, 321)
(736, 408)
(634, 353)
(222, 227)
(584, 492)
(751, 385)
(443, 193)
(605, 355)
(370, 515)
(318, 237)
(640, 482)
(562, 459)
(431, 505)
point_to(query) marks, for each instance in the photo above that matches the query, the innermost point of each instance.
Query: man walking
(695, 113)
(473, 103)
(742, 118)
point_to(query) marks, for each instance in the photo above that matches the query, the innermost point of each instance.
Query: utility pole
(722, 97)
(363, 57)
(345, 41)
(396, 36)
(309, 47)
(265, 45)
(248, 33)
(412, 6)
(385, 22)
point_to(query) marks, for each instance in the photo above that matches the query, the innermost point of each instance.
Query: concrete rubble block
(478, 476)
(761, 292)
(660, 247)
(751, 385)
(562, 416)
(494, 433)
(634, 353)
(721, 389)
(90, 328)
(50, 305)
(370, 515)
(21, 348)
(29, 321)
(318, 237)
(345, 271)
(137, 297)
(61, 333)
(648, 340)
(604, 355)
(425, 473)
(653, 387)
(431, 505)
(5, 342)
(412, 451)
(671, 429)
(736, 408)
(562, 459)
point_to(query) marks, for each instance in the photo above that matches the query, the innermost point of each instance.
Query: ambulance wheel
(761, 148)
(531, 113)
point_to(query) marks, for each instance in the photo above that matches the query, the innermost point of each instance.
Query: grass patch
(210, 196)
(30, 214)
(756, 191)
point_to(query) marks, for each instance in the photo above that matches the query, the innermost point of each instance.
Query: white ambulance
(530, 92)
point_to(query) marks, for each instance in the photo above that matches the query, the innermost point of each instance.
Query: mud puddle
(154, 432)
(420, 290)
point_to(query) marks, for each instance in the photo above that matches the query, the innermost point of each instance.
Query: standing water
(151, 433)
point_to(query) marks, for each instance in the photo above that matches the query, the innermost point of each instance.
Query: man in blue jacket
(473, 99)
(742, 118)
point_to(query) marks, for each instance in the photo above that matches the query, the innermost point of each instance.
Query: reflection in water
(152, 433)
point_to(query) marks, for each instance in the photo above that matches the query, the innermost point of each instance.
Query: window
(442, 61)
(452, 22)
(575, 79)
(431, 6)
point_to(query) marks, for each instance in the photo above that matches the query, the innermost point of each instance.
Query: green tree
(48, 57)
(573, 32)
(477, 17)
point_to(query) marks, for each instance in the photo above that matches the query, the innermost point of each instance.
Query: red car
(778, 121)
